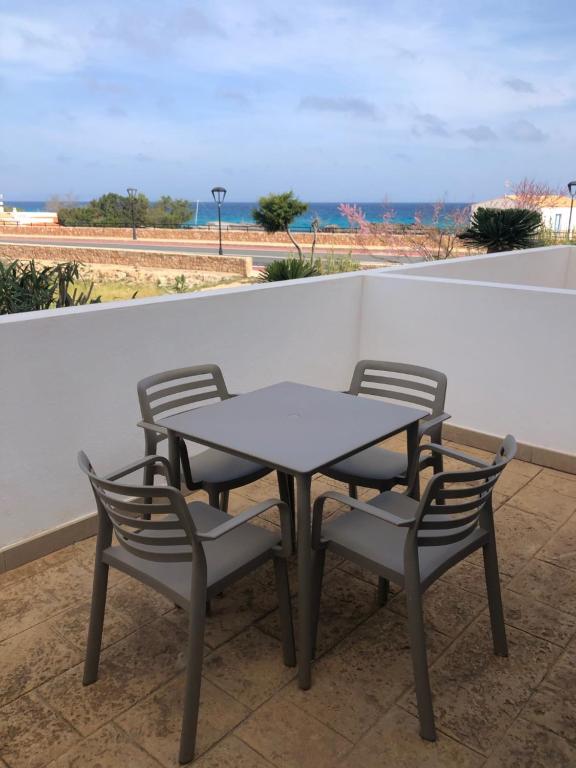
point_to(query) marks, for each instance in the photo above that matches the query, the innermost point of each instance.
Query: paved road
(261, 255)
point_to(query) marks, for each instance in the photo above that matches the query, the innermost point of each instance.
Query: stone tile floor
(360, 712)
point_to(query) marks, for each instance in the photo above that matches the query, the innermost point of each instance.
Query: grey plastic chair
(424, 388)
(188, 553)
(213, 471)
(412, 543)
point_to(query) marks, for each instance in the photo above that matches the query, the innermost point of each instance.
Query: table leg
(303, 486)
(174, 457)
(412, 450)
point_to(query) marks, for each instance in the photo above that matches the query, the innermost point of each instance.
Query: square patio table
(295, 429)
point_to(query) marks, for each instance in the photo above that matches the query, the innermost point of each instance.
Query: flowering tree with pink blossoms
(429, 242)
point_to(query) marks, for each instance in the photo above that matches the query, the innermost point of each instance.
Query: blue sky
(339, 100)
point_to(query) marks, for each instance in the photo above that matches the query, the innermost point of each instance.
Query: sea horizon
(206, 212)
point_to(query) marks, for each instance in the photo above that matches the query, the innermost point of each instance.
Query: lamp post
(219, 193)
(132, 196)
(572, 193)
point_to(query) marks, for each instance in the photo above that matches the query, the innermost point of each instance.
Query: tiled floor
(360, 712)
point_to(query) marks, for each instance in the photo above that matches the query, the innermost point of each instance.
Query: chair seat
(225, 557)
(214, 467)
(379, 546)
(373, 464)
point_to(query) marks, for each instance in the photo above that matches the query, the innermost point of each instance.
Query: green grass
(121, 290)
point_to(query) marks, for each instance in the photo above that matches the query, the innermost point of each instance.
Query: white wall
(69, 377)
(508, 351)
(570, 278)
(546, 267)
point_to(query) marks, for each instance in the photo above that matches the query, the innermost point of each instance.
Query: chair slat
(186, 387)
(159, 557)
(447, 521)
(151, 541)
(444, 539)
(465, 506)
(465, 490)
(136, 507)
(143, 523)
(173, 404)
(402, 383)
(392, 395)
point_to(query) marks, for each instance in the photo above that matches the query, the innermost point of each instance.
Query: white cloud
(340, 104)
(36, 47)
(524, 130)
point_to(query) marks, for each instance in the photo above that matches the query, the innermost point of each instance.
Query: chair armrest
(464, 457)
(153, 428)
(140, 464)
(249, 514)
(428, 423)
(361, 506)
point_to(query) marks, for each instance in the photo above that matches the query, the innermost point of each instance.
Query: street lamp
(132, 195)
(219, 193)
(572, 193)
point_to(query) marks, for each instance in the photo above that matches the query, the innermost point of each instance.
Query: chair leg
(353, 490)
(417, 638)
(383, 591)
(224, 498)
(318, 561)
(285, 608)
(193, 682)
(213, 497)
(495, 599)
(96, 627)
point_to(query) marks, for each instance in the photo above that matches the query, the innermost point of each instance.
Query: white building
(555, 209)
(16, 218)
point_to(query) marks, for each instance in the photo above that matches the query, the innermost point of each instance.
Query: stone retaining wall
(230, 265)
(197, 235)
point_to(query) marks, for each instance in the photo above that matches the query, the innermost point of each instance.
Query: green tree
(110, 210)
(503, 229)
(275, 213)
(168, 212)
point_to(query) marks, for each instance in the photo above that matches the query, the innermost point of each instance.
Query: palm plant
(503, 229)
(288, 269)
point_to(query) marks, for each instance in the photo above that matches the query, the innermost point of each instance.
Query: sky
(338, 100)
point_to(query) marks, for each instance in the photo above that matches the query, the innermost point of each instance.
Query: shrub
(336, 263)
(26, 287)
(288, 269)
(503, 229)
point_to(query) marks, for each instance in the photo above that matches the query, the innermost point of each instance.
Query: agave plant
(288, 269)
(503, 229)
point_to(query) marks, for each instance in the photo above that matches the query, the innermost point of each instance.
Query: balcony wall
(69, 375)
(552, 267)
(508, 350)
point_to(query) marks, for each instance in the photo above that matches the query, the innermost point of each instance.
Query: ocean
(327, 213)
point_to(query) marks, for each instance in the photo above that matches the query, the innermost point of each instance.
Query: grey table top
(293, 427)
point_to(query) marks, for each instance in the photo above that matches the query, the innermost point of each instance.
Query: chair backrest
(170, 392)
(453, 503)
(151, 522)
(422, 387)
